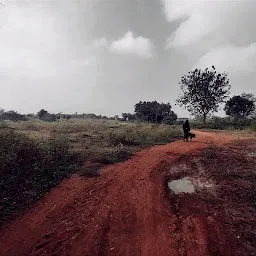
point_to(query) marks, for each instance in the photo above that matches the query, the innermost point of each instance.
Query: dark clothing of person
(186, 129)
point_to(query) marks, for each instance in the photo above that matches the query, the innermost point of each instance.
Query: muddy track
(127, 210)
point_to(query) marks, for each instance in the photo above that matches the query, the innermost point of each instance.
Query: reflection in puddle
(187, 185)
(252, 154)
(183, 185)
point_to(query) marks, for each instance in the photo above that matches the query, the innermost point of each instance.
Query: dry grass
(95, 136)
(99, 142)
(37, 155)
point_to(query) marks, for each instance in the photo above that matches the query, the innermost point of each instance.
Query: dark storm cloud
(103, 56)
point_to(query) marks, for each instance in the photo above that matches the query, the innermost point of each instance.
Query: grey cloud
(56, 54)
(219, 33)
(211, 23)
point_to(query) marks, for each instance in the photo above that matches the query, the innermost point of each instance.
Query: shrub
(29, 168)
(49, 117)
(170, 119)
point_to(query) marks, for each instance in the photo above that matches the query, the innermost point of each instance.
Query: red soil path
(124, 211)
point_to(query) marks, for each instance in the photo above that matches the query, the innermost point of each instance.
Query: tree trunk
(204, 118)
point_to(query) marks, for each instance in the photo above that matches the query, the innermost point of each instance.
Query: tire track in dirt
(124, 211)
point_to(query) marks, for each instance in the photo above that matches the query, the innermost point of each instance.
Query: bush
(253, 127)
(29, 168)
(49, 117)
(170, 119)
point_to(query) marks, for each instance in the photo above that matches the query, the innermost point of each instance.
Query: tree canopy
(11, 115)
(152, 111)
(42, 113)
(203, 91)
(128, 116)
(240, 106)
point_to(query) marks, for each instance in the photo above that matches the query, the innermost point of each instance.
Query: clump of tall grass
(143, 134)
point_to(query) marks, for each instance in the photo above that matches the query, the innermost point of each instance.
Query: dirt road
(128, 210)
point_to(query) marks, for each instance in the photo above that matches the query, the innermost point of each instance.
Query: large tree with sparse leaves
(203, 91)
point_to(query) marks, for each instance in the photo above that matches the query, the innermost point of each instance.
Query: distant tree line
(46, 116)
(203, 91)
(151, 111)
(90, 116)
(202, 94)
(11, 115)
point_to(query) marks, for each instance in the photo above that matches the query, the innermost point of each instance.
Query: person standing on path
(186, 130)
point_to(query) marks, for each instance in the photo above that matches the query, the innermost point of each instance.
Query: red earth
(129, 210)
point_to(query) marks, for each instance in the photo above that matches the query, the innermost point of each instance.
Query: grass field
(98, 138)
(118, 203)
(36, 155)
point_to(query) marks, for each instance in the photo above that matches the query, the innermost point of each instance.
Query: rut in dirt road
(127, 210)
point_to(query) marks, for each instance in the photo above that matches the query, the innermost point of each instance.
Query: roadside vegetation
(225, 123)
(29, 168)
(37, 155)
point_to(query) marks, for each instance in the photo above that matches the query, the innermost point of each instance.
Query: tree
(240, 106)
(152, 111)
(249, 96)
(131, 117)
(30, 115)
(42, 113)
(128, 117)
(2, 111)
(124, 116)
(49, 117)
(203, 91)
(12, 116)
(170, 118)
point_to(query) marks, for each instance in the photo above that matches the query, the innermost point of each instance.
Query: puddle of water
(252, 154)
(183, 185)
(187, 185)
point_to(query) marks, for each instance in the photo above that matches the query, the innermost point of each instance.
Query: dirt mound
(128, 210)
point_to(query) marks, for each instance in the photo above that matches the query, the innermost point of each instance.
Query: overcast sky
(103, 56)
